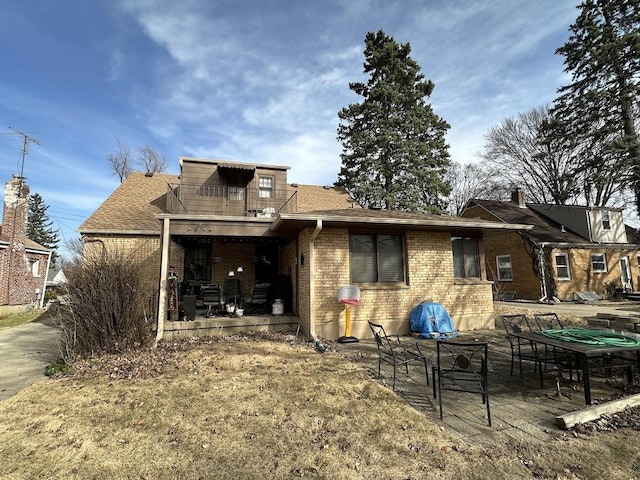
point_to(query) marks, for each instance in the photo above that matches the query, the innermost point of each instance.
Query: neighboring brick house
(579, 249)
(311, 240)
(23, 262)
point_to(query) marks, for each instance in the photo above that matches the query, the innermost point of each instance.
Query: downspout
(312, 285)
(543, 276)
(164, 273)
(44, 285)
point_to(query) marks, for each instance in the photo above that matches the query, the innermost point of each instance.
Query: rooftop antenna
(26, 139)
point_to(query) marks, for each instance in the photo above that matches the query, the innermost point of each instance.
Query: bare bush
(103, 310)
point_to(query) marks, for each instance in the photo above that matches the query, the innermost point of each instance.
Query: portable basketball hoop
(349, 296)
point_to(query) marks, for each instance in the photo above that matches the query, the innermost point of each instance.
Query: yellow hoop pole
(347, 322)
(347, 327)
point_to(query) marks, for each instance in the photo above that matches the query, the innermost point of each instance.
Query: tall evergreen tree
(39, 226)
(394, 151)
(598, 110)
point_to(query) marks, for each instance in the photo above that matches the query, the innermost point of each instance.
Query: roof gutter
(312, 286)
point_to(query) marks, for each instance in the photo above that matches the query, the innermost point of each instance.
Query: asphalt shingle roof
(312, 198)
(132, 206)
(544, 229)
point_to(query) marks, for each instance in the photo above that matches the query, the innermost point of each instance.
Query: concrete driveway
(25, 351)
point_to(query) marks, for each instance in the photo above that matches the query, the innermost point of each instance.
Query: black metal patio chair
(521, 349)
(394, 352)
(211, 298)
(548, 321)
(462, 367)
(557, 356)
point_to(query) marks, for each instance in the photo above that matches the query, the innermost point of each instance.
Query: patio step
(630, 323)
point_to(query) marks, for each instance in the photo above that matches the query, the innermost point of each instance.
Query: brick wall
(525, 280)
(583, 278)
(22, 271)
(430, 278)
(142, 249)
(20, 285)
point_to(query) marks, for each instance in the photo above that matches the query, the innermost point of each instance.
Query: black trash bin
(189, 306)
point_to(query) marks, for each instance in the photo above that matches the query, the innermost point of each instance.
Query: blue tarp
(428, 318)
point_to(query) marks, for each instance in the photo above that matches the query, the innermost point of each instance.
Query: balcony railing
(210, 199)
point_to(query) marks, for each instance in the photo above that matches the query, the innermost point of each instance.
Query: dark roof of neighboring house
(633, 234)
(544, 229)
(132, 206)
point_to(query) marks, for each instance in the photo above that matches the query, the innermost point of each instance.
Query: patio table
(586, 355)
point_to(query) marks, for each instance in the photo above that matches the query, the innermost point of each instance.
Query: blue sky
(257, 81)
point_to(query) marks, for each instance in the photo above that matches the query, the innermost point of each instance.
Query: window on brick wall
(376, 258)
(466, 257)
(599, 262)
(562, 266)
(35, 268)
(505, 272)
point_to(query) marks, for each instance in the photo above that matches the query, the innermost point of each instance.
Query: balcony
(225, 200)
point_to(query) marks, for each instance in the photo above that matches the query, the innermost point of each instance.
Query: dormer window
(265, 187)
(606, 222)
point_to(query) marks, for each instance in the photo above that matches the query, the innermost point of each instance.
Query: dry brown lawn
(256, 407)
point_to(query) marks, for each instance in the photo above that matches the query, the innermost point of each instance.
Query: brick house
(23, 262)
(577, 249)
(309, 240)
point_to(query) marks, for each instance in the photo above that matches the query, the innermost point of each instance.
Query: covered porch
(210, 264)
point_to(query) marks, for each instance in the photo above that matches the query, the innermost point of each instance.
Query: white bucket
(277, 308)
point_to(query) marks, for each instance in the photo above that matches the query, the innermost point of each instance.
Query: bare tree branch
(121, 161)
(151, 160)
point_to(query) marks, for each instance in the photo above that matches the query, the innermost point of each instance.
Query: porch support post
(164, 273)
(312, 283)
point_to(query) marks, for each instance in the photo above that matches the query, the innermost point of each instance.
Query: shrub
(50, 295)
(103, 308)
(56, 367)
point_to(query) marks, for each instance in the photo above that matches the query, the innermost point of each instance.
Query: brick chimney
(16, 210)
(517, 197)
(19, 284)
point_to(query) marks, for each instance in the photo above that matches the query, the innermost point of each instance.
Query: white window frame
(499, 269)
(35, 268)
(265, 186)
(605, 220)
(562, 266)
(603, 262)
